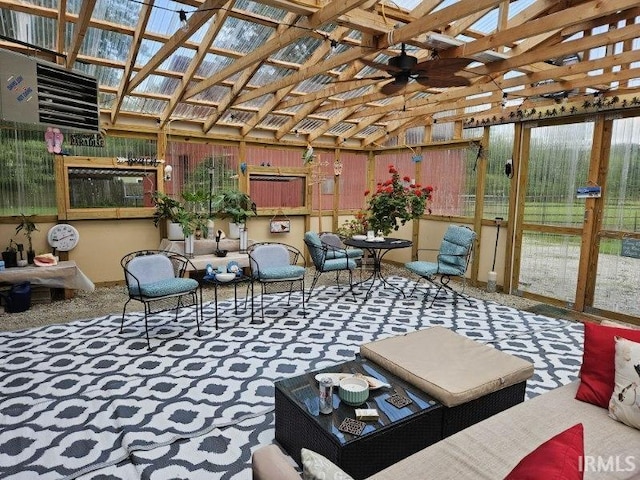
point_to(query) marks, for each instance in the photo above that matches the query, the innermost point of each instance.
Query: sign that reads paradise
(87, 140)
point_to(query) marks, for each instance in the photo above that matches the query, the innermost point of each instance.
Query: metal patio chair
(155, 278)
(328, 258)
(452, 261)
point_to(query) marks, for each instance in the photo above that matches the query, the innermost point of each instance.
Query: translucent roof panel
(274, 122)
(214, 94)
(213, 63)
(261, 9)
(117, 11)
(106, 44)
(193, 112)
(29, 28)
(299, 51)
(489, 22)
(179, 60)
(268, 74)
(164, 18)
(242, 36)
(158, 84)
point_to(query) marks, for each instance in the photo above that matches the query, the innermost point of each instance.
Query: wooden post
(481, 182)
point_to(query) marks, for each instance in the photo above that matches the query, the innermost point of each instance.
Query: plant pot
(234, 230)
(10, 259)
(174, 231)
(30, 256)
(198, 234)
(189, 245)
(244, 239)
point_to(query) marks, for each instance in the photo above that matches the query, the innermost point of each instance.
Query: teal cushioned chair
(327, 258)
(452, 261)
(340, 249)
(156, 278)
(274, 265)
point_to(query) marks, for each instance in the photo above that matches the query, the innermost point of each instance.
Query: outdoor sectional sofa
(526, 436)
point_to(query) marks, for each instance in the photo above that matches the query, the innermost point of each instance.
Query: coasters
(349, 425)
(398, 400)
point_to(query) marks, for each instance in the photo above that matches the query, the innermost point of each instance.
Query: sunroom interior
(510, 110)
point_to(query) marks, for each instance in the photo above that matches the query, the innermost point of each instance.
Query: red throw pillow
(597, 374)
(559, 458)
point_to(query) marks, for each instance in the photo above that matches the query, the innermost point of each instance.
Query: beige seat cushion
(269, 463)
(449, 367)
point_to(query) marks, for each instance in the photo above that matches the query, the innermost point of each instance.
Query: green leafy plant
(12, 247)
(395, 202)
(167, 208)
(355, 226)
(27, 226)
(234, 205)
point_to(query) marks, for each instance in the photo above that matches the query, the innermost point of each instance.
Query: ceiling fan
(437, 73)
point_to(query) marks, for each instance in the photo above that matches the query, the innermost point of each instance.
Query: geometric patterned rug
(79, 400)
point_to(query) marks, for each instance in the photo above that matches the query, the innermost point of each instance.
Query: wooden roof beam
(325, 15)
(80, 31)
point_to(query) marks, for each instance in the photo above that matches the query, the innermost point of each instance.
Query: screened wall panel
(353, 181)
(618, 277)
(558, 164)
(496, 195)
(549, 265)
(445, 170)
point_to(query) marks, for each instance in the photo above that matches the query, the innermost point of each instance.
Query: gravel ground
(110, 300)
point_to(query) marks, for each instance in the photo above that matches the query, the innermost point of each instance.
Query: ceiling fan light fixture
(184, 24)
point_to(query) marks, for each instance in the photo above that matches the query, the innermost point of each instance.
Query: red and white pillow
(597, 374)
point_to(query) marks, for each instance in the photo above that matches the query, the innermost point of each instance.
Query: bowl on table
(359, 237)
(353, 391)
(225, 277)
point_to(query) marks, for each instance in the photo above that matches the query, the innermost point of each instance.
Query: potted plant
(10, 255)
(170, 210)
(235, 205)
(27, 226)
(195, 203)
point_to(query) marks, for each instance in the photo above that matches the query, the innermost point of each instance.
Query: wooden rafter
(80, 31)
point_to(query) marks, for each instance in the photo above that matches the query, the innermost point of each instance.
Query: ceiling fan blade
(443, 65)
(379, 66)
(393, 87)
(443, 82)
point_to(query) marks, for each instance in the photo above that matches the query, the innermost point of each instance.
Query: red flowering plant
(395, 202)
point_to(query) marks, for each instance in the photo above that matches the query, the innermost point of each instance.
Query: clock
(63, 237)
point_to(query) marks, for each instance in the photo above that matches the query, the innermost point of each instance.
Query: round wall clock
(63, 237)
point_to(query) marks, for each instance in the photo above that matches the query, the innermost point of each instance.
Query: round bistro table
(378, 250)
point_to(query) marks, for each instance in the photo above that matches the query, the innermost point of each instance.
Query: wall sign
(87, 140)
(589, 192)
(630, 248)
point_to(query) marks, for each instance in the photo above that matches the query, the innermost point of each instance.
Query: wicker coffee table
(398, 433)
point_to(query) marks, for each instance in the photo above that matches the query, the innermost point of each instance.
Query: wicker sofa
(492, 448)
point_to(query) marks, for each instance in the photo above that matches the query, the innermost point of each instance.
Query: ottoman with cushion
(472, 380)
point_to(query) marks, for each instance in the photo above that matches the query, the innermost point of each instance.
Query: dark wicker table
(398, 433)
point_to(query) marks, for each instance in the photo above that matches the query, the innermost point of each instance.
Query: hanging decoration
(280, 223)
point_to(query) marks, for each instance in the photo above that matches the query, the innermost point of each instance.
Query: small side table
(240, 279)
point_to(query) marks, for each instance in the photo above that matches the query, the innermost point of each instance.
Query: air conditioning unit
(35, 91)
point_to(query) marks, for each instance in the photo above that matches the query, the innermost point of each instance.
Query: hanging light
(184, 25)
(503, 102)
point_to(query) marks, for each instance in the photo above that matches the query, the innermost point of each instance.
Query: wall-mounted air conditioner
(35, 91)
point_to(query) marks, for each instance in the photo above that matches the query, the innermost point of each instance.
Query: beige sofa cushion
(490, 449)
(268, 463)
(449, 367)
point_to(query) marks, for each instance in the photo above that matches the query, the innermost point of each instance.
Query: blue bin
(18, 298)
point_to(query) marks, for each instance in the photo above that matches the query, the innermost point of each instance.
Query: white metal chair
(274, 266)
(156, 279)
(452, 261)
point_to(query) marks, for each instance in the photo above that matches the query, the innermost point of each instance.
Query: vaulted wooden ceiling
(300, 71)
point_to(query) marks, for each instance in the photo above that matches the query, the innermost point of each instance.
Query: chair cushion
(267, 256)
(350, 253)
(166, 287)
(150, 268)
(455, 245)
(282, 273)
(316, 249)
(339, 264)
(428, 269)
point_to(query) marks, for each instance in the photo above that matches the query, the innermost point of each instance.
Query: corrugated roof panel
(106, 44)
(340, 128)
(213, 94)
(415, 135)
(309, 124)
(370, 130)
(273, 13)
(315, 83)
(164, 18)
(29, 28)
(299, 51)
(179, 60)
(105, 100)
(143, 105)
(489, 22)
(358, 92)
(268, 74)
(148, 48)
(213, 63)
(117, 11)
(273, 122)
(158, 84)
(108, 76)
(242, 36)
(258, 102)
(185, 110)
(236, 117)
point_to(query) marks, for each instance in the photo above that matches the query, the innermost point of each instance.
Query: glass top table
(396, 434)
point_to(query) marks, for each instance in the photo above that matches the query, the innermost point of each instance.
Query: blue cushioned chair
(156, 278)
(452, 260)
(277, 267)
(340, 249)
(327, 258)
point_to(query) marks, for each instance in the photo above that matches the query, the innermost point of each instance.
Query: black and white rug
(80, 400)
